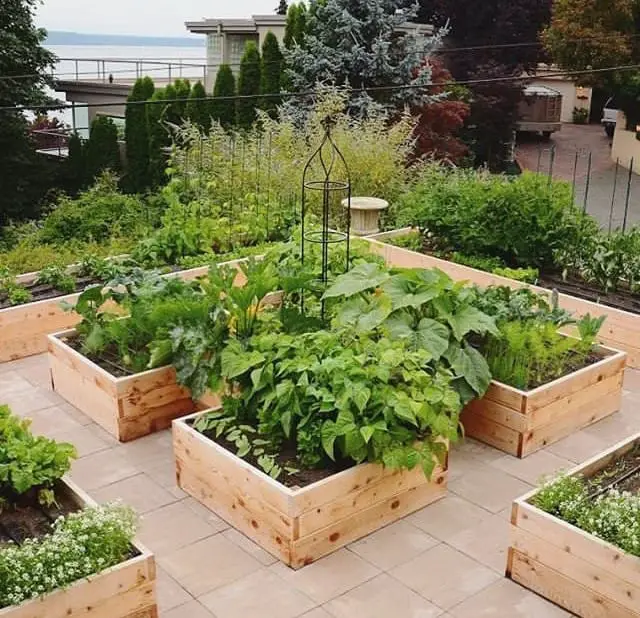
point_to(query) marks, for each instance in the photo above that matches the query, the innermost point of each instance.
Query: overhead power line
(310, 93)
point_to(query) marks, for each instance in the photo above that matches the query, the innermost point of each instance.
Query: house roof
(249, 26)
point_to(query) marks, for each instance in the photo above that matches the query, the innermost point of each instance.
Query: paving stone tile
(618, 426)
(329, 577)
(488, 487)
(393, 545)
(139, 492)
(505, 599)
(102, 468)
(479, 450)
(164, 473)
(578, 447)
(431, 575)
(486, 542)
(253, 549)
(171, 527)
(192, 609)
(208, 564)
(26, 402)
(87, 439)
(318, 612)
(533, 468)
(169, 592)
(262, 594)
(52, 422)
(382, 597)
(205, 514)
(81, 417)
(12, 382)
(448, 517)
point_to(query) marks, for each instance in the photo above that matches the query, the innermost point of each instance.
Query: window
(214, 48)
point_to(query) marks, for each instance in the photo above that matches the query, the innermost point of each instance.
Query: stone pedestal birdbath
(365, 214)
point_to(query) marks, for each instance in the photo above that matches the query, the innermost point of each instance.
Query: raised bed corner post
(327, 154)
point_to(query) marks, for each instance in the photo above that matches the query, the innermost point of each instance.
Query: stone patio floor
(446, 560)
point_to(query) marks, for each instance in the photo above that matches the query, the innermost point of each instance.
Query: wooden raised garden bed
(298, 525)
(123, 591)
(521, 422)
(24, 328)
(621, 329)
(580, 572)
(127, 407)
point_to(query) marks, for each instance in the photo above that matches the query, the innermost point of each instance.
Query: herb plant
(58, 278)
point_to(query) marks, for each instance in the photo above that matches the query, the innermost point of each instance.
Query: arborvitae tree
(158, 137)
(281, 9)
(183, 91)
(373, 53)
(296, 25)
(248, 85)
(137, 136)
(103, 151)
(198, 108)
(76, 164)
(224, 111)
(271, 72)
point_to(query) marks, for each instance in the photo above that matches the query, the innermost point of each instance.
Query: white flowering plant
(613, 516)
(81, 544)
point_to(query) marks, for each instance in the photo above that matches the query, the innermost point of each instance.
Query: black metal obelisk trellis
(327, 154)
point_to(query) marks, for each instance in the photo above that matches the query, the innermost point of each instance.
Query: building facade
(226, 39)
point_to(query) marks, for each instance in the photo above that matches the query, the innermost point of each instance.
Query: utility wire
(436, 52)
(309, 93)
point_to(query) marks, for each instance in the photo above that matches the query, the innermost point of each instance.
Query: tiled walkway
(446, 560)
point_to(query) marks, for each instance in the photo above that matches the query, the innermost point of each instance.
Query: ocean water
(99, 62)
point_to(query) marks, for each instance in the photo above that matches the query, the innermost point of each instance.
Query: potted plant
(576, 539)
(60, 553)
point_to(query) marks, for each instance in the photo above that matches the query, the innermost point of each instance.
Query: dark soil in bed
(622, 299)
(109, 360)
(287, 457)
(569, 368)
(45, 292)
(25, 518)
(622, 474)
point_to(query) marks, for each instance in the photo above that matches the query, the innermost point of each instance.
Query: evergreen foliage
(137, 136)
(296, 25)
(22, 53)
(158, 137)
(271, 72)
(77, 173)
(198, 109)
(248, 85)
(182, 92)
(224, 111)
(359, 44)
(102, 152)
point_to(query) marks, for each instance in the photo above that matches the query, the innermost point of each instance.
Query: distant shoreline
(55, 37)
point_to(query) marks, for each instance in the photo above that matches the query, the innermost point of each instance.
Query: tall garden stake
(327, 154)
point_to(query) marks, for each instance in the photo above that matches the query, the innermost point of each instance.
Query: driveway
(569, 149)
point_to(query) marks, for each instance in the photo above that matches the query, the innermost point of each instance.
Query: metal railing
(112, 70)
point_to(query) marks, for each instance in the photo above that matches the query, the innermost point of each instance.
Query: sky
(142, 17)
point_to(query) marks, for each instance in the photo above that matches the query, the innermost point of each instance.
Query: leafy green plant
(80, 545)
(28, 462)
(58, 278)
(522, 221)
(344, 398)
(526, 275)
(424, 308)
(14, 293)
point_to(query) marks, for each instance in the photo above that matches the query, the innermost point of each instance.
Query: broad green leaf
(328, 434)
(469, 319)
(469, 364)
(363, 277)
(363, 316)
(360, 395)
(161, 353)
(406, 292)
(433, 337)
(355, 446)
(399, 325)
(235, 361)
(286, 419)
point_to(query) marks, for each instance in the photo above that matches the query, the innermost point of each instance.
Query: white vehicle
(540, 111)
(610, 116)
